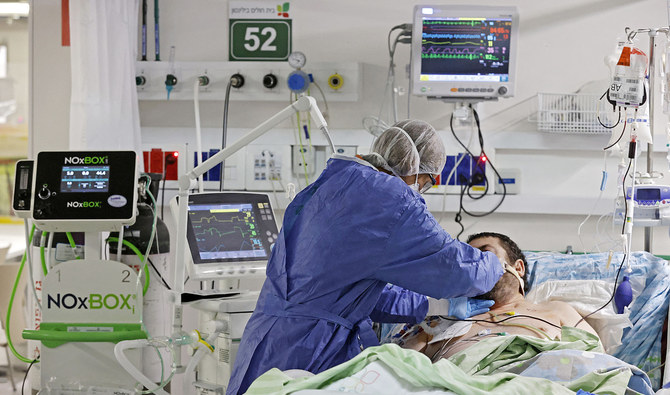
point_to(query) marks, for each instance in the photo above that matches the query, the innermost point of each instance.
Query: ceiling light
(14, 9)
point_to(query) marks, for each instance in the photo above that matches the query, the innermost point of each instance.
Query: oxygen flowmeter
(84, 191)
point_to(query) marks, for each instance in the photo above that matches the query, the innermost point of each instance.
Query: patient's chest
(528, 319)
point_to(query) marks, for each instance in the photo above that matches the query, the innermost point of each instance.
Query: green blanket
(480, 369)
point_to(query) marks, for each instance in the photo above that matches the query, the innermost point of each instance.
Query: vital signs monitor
(230, 234)
(464, 53)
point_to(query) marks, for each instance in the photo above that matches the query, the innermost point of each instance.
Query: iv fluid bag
(627, 87)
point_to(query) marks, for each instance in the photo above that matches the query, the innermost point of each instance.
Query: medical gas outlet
(203, 80)
(335, 81)
(170, 83)
(269, 81)
(237, 80)
(263, 81)
(298, 81)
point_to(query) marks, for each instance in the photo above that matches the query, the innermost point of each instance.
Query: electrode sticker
(117, 201)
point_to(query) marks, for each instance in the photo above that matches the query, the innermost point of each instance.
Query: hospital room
(221, 197)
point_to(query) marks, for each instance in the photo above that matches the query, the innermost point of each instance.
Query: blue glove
(464, 307)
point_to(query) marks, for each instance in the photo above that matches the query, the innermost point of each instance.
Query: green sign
(260, 39)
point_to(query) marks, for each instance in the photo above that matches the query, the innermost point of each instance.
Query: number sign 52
(260, 40)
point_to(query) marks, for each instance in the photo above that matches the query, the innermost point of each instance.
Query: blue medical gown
(343, 239)
(397, 304)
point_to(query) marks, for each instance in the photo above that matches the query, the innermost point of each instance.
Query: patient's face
(508, 285)
(491, 244)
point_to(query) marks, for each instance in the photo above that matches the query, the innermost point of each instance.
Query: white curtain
(104, 113)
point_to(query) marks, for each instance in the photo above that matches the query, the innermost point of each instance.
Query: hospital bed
(631, 340)
(586, 281)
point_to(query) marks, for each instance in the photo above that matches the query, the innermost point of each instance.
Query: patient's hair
(511, 249)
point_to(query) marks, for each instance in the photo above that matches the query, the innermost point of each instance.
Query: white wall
(15, 36)
(561, 47)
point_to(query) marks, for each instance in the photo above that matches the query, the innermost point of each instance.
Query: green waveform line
(236, 229)
(454, 23)
(451, 56)
(450, 42)
(461, 56)
(214, 218)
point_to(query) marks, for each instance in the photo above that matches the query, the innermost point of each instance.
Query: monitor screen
(226, 232)
(230, 234)
(464, 51)
(84, 179)
(648, 194)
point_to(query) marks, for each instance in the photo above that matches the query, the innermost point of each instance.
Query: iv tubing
(11, 302)
(628, 230)
(595, 205)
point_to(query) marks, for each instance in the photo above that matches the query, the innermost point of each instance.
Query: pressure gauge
(297, 60)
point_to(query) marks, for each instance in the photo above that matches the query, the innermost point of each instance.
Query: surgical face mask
(510, 269)
(415, 186)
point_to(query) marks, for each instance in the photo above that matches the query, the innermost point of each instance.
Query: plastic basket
(569, 113)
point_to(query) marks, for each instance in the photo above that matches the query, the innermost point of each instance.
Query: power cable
(475, 179)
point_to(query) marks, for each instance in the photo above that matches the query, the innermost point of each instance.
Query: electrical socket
(304, 159)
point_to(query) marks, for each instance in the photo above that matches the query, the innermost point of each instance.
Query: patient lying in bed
(511, 314)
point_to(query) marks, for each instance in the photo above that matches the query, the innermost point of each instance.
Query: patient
(539, 320)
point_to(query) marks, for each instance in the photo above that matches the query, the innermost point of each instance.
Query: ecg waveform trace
(468, 46)
(226, 233)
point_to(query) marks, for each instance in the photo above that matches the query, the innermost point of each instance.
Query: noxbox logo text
(87, 160)
(83, 204)
(93, 301)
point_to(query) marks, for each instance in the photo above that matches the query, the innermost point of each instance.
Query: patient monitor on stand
(230, 237)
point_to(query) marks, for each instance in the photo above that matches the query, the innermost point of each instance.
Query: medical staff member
(361, 225)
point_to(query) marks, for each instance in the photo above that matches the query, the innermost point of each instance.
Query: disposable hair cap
(409, 147)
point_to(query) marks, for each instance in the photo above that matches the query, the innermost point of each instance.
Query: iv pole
(648, 234)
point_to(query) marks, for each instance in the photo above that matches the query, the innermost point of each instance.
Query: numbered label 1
(260, 40)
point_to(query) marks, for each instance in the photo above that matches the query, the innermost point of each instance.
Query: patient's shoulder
(557, 304)
(564, 310)
(552, 306)
(569, 316)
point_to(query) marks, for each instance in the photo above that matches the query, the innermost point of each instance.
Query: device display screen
(24, 177)
(648, 194)
(84, 179)
(465, 49)
(226, 232)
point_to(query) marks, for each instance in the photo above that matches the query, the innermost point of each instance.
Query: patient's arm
(569, 316)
